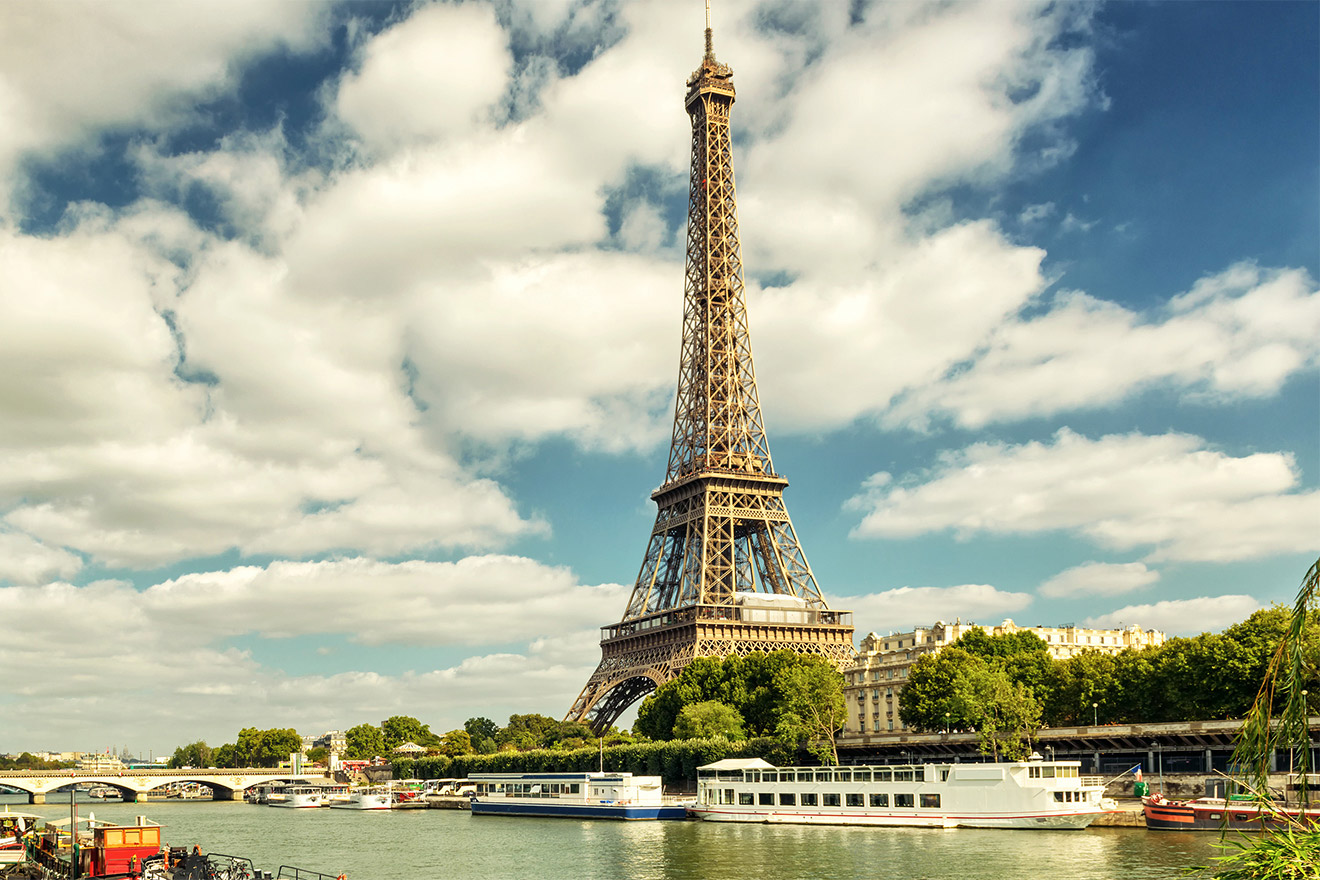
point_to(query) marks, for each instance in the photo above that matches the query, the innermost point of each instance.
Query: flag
(1138, 771)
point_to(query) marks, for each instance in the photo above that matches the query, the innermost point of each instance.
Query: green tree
(531, 731)
(709, 719)
(1005, 714)
(318, 755)
(364, 742)
(812, 708)
(456, 742)
(224, 756)
(935, 696)
(1079, 681)
(482, 732)
(400, 729)
(196, 754)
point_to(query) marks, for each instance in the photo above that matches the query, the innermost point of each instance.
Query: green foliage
(753, 685)
(364, 742)
(317, 755)
(28, 761)
(400, 729)
(708, 719)
(482, 731)
(456, 742)
(676, 761)
(1079, 681)
(224, 756)
(265, 748)
(811, 708)
(1278, 720)
(980, 643)
(960, 690)
(197, 754)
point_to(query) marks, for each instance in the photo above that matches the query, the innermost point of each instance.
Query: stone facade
(873, 682)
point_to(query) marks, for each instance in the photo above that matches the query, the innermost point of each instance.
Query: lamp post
(946, 721)
(1159, 751)
(1095, 714)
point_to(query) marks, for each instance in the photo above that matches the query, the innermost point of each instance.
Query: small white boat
(375, 797)
(298, 796)
(1030, 794)
(574, 795)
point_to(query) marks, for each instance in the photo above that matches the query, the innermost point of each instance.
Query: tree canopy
(708, 719)
(781, 694)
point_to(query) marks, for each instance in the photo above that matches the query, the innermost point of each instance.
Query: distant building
(94, 763)
(333, 741)
(873, 682)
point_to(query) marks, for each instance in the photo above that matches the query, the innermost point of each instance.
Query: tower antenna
(710, 41)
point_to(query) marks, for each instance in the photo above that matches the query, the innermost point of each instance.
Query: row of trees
(793, 698)
(28, 761)
(254, 748)
(1007, 686)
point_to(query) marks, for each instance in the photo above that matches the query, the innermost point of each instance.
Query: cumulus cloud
(903, 608)
(181, 631)
(1169, 492)
(69, 70)
(1099, 579)
(1181, 617)
(25, 561)
(1239, 333)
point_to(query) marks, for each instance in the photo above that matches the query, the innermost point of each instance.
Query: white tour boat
(299, 796)
(1031, 794)
(375, 797)
(574, 795)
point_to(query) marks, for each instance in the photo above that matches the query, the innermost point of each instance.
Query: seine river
(445, 844)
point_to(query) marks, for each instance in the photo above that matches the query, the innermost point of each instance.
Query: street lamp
(946, 719)
(1095, 714)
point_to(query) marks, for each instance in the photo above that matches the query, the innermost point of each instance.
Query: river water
(455, 845)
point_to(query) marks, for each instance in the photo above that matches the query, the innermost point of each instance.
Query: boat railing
(292, 873)
(1093, 781)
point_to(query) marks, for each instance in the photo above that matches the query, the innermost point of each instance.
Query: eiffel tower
(723, 572)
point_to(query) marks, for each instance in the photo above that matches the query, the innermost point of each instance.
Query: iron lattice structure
(723, 572)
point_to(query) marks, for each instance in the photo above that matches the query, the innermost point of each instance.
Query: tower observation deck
(723, 571)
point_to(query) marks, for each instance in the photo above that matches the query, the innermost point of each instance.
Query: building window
(891, 724)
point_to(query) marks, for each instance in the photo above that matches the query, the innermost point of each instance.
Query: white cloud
(903, 608)
(1181, 617)
(1239, 333)
(61, 674)
(434, 76)
(25, 561)
(1099, 579)
(71, 69)
(1167, 492)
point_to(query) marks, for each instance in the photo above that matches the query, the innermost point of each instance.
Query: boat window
(726, 795)
(884, 776)
(1216, 815)
(1240, 817)
(904, 800)
(786, 799)
(930, 801)
(944, 774)
(809, 799)
(575, 788)
(785, 776)
(1058, 796)
(766, 799)
(802, 776)
(822, 776)
(862, 775)
(843, 776)
(852, 800)
(730, 776)
(904, 775)
(879, 800)
(745, 798)
(829, 800)
(1047, 772)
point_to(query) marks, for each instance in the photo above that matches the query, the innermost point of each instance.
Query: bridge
(134, 785)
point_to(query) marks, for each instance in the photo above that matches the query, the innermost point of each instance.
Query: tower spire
(710, 40)
(723, 571)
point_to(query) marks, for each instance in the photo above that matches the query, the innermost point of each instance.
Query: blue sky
(339, 341)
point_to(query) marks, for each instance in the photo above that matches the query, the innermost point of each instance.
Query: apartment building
(873, 682)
